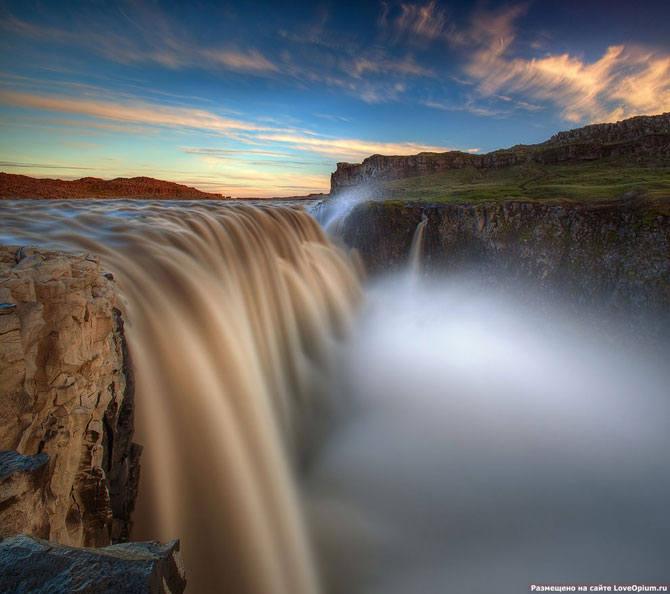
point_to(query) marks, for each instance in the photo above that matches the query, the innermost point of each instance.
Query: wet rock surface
(35, 566)
(611, 255)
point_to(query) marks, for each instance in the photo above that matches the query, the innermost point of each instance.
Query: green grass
(606, 179)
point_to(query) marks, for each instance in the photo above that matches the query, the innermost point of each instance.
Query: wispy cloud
(227, 152)
(126, 111)
(415, 22)
(625, 81)
(249, 61)
(20, 164)
(383, 64)
(158, 44)
(132, 111)
(350, 147)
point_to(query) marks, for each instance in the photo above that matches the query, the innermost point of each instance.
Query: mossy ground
(594, 181)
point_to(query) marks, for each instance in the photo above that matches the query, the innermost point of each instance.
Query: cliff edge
(70, 470)
(642, 137)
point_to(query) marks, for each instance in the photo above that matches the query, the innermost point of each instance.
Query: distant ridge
(638, 138)
(22, 186)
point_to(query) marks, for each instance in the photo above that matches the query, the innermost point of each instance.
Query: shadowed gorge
(299, 438)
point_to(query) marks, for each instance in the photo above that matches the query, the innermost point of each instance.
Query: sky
(264, 98)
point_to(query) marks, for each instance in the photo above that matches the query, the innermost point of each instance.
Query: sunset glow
(262, 99)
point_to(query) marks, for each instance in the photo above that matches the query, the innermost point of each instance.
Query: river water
(308, 431)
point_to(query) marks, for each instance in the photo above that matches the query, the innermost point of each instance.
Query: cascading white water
(480, 441)
(331, 211)
(232, 314)
(416, 249)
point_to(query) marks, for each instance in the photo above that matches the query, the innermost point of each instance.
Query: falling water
(333, 210)
(479, 439)
(416, 249)
(232, 313)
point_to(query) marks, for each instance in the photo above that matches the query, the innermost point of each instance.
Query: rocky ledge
(70, 470)
(31, 565)
(645, 137)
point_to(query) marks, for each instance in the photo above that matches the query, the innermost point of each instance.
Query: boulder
(31, 565)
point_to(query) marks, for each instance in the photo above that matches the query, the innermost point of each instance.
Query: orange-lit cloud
(131, 111)
(622, 83)
(270, 139)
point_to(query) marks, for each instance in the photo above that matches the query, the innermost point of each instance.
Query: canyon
(69, 465)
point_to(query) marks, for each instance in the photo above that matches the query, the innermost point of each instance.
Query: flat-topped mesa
(641, 136)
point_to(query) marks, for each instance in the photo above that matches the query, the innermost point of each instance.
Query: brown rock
(66, 392)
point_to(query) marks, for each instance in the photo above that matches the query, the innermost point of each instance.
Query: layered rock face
(611, 255)
(33, 565)
(644, 135)
(66, 401)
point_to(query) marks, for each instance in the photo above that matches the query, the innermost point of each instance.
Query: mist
(486, 442)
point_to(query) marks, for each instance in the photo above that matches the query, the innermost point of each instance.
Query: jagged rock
(66, 392)
(642, 135)
(34, 566)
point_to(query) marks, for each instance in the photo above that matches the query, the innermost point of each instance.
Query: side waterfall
(416, 249)
(232, 313)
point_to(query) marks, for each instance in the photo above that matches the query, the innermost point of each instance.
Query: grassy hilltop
(604, 179)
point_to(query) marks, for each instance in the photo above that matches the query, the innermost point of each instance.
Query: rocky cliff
(614, 255)
(66, 401)
(645, 137)
(23, 186)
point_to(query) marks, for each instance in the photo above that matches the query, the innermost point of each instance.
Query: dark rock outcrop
(614, 255)
(642, 136)
(35, 566)
(66, 399)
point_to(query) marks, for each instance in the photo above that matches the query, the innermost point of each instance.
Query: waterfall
(479, 438)
(416, 249)
(232, 314)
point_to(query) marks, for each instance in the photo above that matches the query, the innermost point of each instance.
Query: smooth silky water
(304, 434)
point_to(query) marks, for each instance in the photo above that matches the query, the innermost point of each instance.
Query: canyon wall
(643, 136)
(614, 255)
(70, 471)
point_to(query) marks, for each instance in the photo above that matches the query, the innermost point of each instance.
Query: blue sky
(262, 99)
